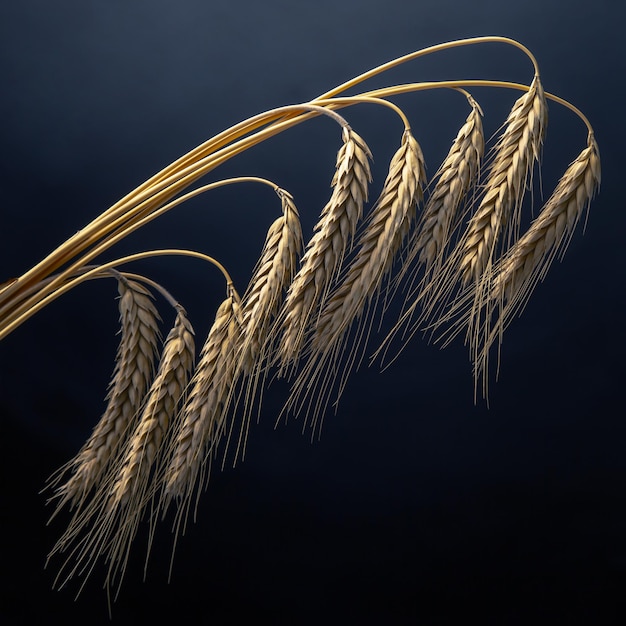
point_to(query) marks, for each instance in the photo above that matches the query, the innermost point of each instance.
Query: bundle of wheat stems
(461, 261)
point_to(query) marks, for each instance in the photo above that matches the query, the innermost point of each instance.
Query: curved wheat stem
(333, 234)
(515, 153)
(134, 367)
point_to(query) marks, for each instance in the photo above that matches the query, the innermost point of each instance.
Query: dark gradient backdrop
(416, 506)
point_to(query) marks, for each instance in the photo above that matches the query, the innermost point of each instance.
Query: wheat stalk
(517, 150)
(332, 237)
(134, 367)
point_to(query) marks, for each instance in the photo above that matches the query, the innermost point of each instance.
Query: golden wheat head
(388, 224)
(134, 367)
(201, 423)
(517, 150)
(332, 237)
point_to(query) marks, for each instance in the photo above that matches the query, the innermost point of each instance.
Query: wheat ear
(167, 389)
(456, 176)
(260, 305)
(201, 423)
(517, 150)
(387, 225)
(332, 237)
(133, 371)
(107, 525)
(272, 276)
(429, 241)
(529, 259)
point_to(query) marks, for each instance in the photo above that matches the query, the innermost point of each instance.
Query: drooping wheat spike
(549, 234)
(381, 239)
(272, 276)
(161, 403)
(106, 526)
(456, 176)
(134, 367)
(260, 305)
(429, 241)
(529, 259)
(517, 150)
(201, 423)
(389, 223)
(332, 237)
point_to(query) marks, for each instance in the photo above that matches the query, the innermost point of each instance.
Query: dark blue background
(416, 506)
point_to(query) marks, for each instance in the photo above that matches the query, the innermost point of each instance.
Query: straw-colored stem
(104, 267)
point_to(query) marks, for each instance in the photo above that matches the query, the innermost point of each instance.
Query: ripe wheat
(324, 253)
(388, 224)
(457, 174)
(517, 150)
(528, 260)
(133, 371)
(159, 408)
(202, 420)
(462, 263)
